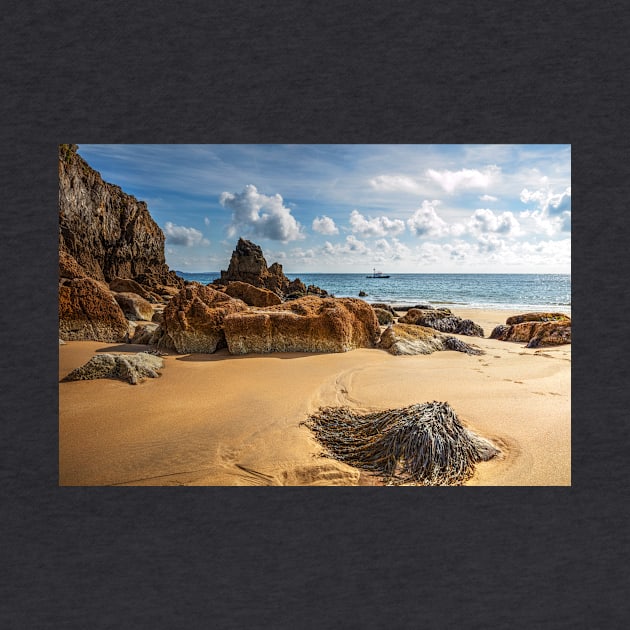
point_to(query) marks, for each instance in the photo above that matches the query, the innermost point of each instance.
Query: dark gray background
(396, 72)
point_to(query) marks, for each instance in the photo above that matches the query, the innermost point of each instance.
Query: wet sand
(235, 420)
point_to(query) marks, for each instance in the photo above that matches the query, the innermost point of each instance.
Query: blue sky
(350, 208)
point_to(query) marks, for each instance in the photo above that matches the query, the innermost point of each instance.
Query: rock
(193, 319)
(362, 294)
(385, 307)
(249, 265)
(131, 368)
(87, 311)
(62, 342)
(536, 333)
(308, 324)
(251, 295)
(134, 307)
(411, 339)
(69, 267)
(295, 287)
(311, 289)
(537, 317)
(384, 317)
(108, 232)
(127, 285)
(443, 320)
(145, 333)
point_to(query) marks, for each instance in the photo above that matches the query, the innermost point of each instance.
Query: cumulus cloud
(488, 198)
(325, 225)
(394, 250)
(485, 221)
(260, 215)
(180, 235)
(552, 211)
(206, 220)
(396, 183)
(426, 222)
(352, 245)
(379, 226)
(465, 178)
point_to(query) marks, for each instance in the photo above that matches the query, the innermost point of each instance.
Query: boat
(377, 274)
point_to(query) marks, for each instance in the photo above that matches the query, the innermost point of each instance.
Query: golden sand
(235, 420)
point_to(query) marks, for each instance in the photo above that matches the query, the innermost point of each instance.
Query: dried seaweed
(424, 444)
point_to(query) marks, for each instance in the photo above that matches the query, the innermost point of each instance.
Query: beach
(223, 420)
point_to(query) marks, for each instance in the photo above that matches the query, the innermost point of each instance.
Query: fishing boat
(377, 274)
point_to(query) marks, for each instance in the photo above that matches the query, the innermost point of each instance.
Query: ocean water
(496, 291)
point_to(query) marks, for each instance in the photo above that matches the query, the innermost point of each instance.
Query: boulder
(145, 333)
(193, 319)
(537, 317)
(127, 285)
(296, 287)
(134, 307)
(384, 317)
(441, 319)
(386, 307)
(411, 339)
(308, 324)
(130, 368)
(88, 311)
(536, 333)
(251, 295)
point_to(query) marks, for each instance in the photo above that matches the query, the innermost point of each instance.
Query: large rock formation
(251, 295)
(249, 265)
(308, 324)
(88, 311)
(535, 333)
(108, 232)
(193, 319)
(409, 339)
(441, 319)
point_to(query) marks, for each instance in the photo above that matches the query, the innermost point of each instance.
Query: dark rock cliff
(108, 232)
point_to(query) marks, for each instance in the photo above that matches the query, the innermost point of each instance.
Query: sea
(526, 292)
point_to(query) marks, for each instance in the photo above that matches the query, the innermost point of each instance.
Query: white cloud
(396, 183)
(379, 226)
(352, 245)
(324, 225)
(261, 215)
(488, 198)
(206, 220)
(180, 235)
(465, 178)
(485, 221)
(552, 211)
(426, 222)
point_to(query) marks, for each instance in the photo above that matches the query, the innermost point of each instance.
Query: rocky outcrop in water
(442, 319)
(410, 339)
(308, 324)
(106, 231)
(248, 265)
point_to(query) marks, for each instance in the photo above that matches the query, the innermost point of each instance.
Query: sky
(352, 208)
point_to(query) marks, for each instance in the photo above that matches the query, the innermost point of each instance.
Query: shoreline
(214, 420)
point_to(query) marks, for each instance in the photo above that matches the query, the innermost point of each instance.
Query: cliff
(108, 232)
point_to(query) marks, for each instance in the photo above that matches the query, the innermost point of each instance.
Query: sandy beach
(235, 420)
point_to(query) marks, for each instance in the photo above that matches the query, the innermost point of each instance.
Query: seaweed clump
(424, 444)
